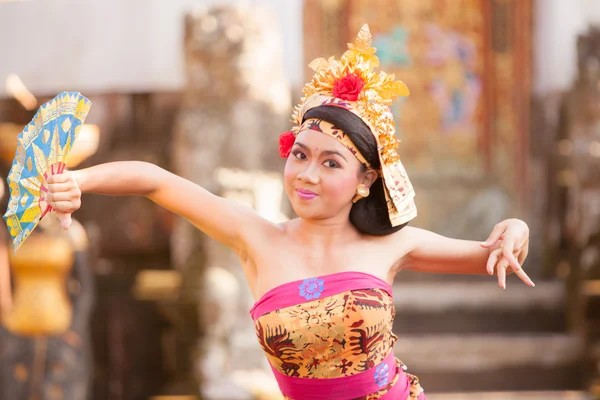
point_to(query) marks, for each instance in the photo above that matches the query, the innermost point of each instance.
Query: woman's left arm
(505, 249)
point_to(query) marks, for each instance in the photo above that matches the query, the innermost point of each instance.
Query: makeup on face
(304, 194)
(325, 152)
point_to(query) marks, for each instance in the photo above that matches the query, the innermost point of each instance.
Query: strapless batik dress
(330, 338)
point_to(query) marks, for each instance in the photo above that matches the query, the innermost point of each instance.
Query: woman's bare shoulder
(264, 234)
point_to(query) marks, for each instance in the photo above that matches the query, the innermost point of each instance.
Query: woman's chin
(307, 210)
(313, 212)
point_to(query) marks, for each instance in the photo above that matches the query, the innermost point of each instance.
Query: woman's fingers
(55, 197)
(493, 260)
(524, 277)
(64, 196)
(59, 178)
(65, 219)
(508, 252)
(496, 235)
(511, 259)
(501, 268)
(523, 254)
(61, 187)
(69, 206)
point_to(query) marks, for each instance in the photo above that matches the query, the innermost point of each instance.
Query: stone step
(568, 377)
(478, 307)
(493, 362)
(469, 322)
(443, 296)
(472, 353)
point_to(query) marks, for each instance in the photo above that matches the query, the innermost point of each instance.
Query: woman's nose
(310, 174)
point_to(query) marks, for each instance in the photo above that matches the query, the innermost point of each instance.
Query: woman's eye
(331, 164)
(299, 155)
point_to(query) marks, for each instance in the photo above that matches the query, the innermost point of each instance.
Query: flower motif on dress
(312, 288)
(381, 374)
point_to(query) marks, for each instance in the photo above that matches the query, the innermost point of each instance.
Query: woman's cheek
(289, 172)
(341, 185)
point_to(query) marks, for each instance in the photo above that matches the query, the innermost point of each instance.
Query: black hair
(369, 215)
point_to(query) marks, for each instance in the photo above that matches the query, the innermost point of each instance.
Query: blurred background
(503, 121)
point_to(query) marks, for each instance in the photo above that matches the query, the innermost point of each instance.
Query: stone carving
(577, 160)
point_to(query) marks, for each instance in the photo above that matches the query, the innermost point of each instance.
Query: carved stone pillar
(236, 102)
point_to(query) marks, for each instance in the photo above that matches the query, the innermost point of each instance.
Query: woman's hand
(508, 244)
(64, 196)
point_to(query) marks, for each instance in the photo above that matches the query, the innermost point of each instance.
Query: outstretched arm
(505, 249)
(222, 219)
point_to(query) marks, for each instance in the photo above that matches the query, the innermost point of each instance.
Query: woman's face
(321, 176)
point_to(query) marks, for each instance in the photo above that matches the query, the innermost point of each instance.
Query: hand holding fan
(42, 150)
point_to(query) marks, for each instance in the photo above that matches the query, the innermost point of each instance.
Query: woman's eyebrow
(327, 152)
(334, 152)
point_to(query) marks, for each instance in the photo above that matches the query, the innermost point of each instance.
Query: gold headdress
(353, 84)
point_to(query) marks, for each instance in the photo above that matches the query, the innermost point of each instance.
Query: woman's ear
(369, 177)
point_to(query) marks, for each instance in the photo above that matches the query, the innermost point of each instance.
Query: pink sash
(347, 387)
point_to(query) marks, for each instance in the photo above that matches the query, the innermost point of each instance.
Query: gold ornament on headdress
(380, 89)
(354, 84)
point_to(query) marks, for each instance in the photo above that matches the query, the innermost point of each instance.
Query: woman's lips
(306, 194)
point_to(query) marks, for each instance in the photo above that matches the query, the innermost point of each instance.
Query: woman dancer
(322, 281)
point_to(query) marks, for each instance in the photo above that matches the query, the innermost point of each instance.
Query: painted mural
(438, 52)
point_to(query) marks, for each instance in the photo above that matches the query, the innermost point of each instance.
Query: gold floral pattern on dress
(336, 336)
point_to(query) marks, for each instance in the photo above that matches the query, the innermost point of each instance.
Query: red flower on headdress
(348, 87)
(286, 141)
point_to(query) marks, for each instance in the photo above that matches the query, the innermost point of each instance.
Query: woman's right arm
(222, 219)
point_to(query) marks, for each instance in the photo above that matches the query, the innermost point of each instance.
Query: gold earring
(362, 190)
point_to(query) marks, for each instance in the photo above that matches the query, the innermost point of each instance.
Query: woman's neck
(323, 233)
